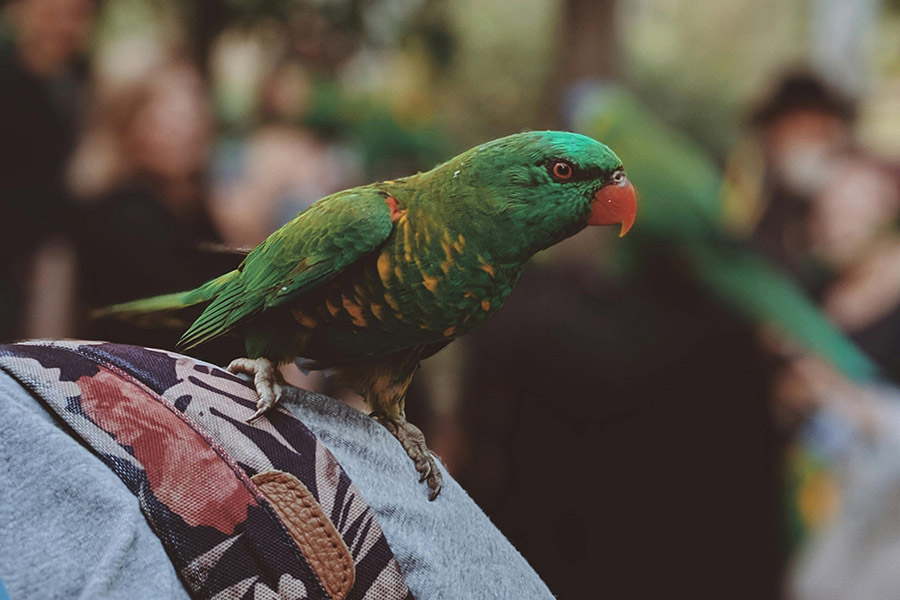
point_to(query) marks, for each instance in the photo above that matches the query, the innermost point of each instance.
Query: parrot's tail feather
(162, 311)
(215, 320)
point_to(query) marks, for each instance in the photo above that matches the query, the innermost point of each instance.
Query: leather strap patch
(311, 530)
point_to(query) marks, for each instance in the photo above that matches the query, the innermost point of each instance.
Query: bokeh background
(642, 419)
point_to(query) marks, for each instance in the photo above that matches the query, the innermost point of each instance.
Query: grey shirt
(69, 528)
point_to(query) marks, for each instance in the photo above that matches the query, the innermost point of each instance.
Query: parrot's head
(547, 185)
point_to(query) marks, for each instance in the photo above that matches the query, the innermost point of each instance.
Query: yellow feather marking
(459, 244)
(392, 303)
(489, 269)
(304, 319)
(376, 310)
(448, 248)
(486, 304)
(429, 282)
(331, 308)
(355, 311)
(384, 267)
(449, 331)
(445, 266)
(468, 294)
(407, 245)
(398, 272)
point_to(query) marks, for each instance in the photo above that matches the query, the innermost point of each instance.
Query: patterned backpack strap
(258, 510)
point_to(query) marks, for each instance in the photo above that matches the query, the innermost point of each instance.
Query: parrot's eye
(618, 177)
(561, 170)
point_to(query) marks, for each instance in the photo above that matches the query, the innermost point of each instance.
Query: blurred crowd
(626, 430)
(826, 210)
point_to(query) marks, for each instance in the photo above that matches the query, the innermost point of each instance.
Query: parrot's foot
(413, 441)
(266, 378)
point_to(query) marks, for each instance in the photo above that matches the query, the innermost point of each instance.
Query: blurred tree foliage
(357, 70)
(485, 68)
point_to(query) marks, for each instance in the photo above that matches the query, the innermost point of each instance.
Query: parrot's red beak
(614, 203)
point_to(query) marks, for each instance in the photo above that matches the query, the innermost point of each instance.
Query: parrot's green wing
(319, 243)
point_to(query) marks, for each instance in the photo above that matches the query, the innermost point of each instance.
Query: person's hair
(101, 159)
(802, 91)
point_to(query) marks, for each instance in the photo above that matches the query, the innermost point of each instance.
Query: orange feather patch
(429, 282)
(355, 311)
(396, 213)
(384, 267)
(304, 319)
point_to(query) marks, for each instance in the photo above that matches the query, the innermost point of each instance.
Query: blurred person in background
(853, 231)
(804, 128)
(281, 167)
(141, 173)
(827, 212)
(42, 77)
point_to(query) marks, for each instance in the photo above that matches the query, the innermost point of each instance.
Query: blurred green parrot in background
(681, 197)
(371, 280)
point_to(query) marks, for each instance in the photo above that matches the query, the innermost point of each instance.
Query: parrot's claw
(413, 441)
(267, 380)
(259, 412)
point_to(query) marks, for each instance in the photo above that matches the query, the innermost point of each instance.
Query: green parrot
(681, 213)
(371, 280)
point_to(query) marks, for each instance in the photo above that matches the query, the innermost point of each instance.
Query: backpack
(244, 510)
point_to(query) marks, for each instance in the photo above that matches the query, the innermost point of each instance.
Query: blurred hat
(802, 91)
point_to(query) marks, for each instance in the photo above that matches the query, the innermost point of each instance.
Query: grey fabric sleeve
(69, 528)
(447, 548)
